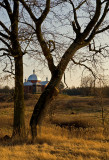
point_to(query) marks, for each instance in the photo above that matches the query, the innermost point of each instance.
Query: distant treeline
(82, 91)
(6, 89)
(87, 91)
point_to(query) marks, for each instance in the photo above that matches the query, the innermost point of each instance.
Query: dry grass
(58, 136)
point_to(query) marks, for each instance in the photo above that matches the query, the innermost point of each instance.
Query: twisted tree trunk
(51, 90)
(46, 97)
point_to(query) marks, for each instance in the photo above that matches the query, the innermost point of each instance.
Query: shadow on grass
(9, 141)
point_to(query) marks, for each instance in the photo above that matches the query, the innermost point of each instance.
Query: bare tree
(11, 48)
(101, 84)
(91, 24)
(88, 85)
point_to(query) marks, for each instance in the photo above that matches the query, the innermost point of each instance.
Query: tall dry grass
(58, 136)
(57, 144)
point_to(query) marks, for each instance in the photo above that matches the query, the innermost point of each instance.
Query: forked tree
(95, 25)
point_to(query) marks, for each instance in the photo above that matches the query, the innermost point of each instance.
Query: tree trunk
(46, 97)
(19, 122)
(51, 90)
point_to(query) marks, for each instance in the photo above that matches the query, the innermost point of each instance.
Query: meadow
(72, 128)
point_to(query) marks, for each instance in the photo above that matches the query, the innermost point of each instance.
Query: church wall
(28, 89)
(38, 89)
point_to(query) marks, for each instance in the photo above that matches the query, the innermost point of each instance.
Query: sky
(73, 76)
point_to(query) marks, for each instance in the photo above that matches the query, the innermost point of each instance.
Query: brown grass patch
(62, 135)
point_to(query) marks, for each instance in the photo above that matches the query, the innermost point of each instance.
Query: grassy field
(71, 129)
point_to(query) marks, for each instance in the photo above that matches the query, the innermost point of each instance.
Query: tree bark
(19, 109)
(46, 97)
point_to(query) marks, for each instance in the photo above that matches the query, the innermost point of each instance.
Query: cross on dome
(33, 71)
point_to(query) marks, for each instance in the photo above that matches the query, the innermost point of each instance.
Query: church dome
(33, 77)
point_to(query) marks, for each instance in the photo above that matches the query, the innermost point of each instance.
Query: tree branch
(45, 49)
(4, 27)
(51, 45)
(29, 10)
(80, 4)
(81, 64)
(4, 35)
(65, 81)
(94, 20)
(4, 49)
(6, 65)
(104, 1)
(45, 12)
(38, 22)
(102, 30)
(97, 50)
(94, 31)
(29, 25)
(77, 27)
(4, 42)
(2, 5)
(8, 9)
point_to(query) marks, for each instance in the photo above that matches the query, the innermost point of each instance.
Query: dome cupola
(33, 77)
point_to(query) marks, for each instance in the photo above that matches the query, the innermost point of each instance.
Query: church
(34, 84)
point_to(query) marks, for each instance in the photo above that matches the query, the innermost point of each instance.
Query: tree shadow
(9, 141)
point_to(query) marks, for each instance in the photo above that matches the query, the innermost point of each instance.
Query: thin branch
(4, 27)
(65, 80)
(102, 30)
(93, 21)
(4, 49)
(28, 24)
(80, 4)
(94, 49)
(81, 64)
(51, 45)
(4, 42)
(6, 65)
(99, 23)
(27, 44)
(77, 27)
(8, 9)
(29, 10)
(4, 35)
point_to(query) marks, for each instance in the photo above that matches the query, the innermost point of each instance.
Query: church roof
(33, 77)
(43, 83)
(28, 84)
(37, 83)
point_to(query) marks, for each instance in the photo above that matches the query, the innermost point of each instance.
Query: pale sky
(73, 77)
